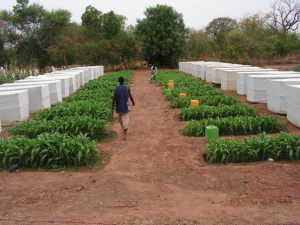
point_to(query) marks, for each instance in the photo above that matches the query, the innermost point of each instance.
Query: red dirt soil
(156, 176)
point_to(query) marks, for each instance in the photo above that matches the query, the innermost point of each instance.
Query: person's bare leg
(124, 133)
(120, 120)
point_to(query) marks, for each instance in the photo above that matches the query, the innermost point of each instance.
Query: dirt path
(157, 176)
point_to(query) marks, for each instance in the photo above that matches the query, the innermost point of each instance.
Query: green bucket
(152, 77)
(168, 91)
(211, 133)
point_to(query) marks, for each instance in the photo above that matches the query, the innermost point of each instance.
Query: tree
(240, 46)
(38, 29)
(68, 48)
(77, 38)
(198, 45)
(287, 44)
(285, 15)
(219, 25)
(111, 25)
(254, 25)
(92, 21)
(163, 35)
(28, 18)
(254, 28)
(8, 31)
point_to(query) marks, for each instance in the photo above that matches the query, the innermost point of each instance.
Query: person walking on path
(121, 100)
(153, 73)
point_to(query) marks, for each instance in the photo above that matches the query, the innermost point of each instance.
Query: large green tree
(163, 34)
(9, 38)
(199, 45)
(220, 25)
(92, 21)
(27, 32)
(111, 25)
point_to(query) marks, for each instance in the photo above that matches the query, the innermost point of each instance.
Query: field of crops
(283, 147)
(194, 89)
(216, 108)
(64, 135)
(220, 111)
(235, 125)
(231, 118)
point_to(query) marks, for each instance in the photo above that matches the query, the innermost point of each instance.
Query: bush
(296, 68)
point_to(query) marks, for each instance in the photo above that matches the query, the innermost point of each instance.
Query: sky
(196, 13)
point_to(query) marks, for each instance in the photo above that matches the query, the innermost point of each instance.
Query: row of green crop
(85, 115)
(88, 111)
(231, 118)
(194, 89)
(94, 128)
(235, 126)
(215, 108)
(48, 151)
(220, 111)
(282, 147)
(215, 100)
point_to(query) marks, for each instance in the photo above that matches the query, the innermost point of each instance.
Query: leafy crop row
(95, 109)
(216, 100)
(235, 126)
(73, 125)
(282, 147)
(195, 89)
(216, 109)
(205, 112)
(92, 127)
(48, 151)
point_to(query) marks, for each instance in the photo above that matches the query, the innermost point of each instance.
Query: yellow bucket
(171, 85)
(194, 103)
(182, 95)
(171, 81)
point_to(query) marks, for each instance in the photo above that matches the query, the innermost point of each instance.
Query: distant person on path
(153, 72)
(121, 100)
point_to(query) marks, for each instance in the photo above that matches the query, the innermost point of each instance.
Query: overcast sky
(196, 13)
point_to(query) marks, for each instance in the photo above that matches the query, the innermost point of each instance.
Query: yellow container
(171, 81)
(171, 85)
(182, 95)
(194, 103)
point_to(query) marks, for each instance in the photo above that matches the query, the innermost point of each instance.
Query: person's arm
(130, 96)
(113, 102)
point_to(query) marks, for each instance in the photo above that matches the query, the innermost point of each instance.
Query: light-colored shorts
(124, 120)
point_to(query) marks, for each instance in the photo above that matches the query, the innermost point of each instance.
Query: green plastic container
(168, 91)
(152, 77)
(211, 133)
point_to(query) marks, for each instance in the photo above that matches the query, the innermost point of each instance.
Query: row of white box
(260, 85)
(23, 97)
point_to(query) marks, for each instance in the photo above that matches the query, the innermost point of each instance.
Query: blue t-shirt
(122, 97)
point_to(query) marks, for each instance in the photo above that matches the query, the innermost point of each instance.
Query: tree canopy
(220, 25)
(32, 36)
(163, 34)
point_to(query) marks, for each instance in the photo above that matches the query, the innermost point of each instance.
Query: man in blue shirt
(121, 100)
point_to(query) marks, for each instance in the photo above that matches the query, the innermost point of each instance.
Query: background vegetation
(31, 36)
